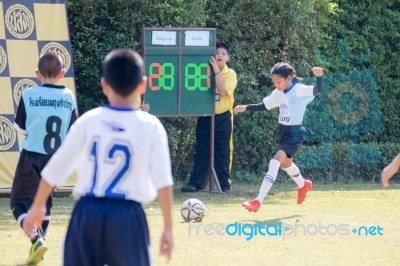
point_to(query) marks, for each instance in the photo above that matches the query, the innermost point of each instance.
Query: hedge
(356, 42)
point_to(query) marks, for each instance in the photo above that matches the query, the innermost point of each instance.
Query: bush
(355, 41)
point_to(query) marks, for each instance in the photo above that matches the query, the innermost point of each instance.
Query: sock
(269, 179)
(45, 224)
(36, 234)
(294, 172)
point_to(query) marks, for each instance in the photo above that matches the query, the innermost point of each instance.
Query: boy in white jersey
(292, 98)
(44, 116)
(122, 160)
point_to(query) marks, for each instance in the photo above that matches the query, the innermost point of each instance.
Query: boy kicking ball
(292, 98)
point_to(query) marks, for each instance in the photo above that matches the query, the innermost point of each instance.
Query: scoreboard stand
(211, 183)
(180, 79)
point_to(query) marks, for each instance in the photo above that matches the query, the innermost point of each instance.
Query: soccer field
(319, 232)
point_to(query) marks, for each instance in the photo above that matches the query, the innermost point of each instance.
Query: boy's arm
(220, 85)
(20, 118)
(269, 102)
(256, 107)
(250, 107)
(227, 86)
(38, 208)
(390, 170)
(165, 201)
(318, 87)
(74, 116)
(318, 72)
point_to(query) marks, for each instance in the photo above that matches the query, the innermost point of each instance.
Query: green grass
(356, 205)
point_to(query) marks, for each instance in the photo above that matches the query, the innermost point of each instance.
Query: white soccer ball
(193, 210)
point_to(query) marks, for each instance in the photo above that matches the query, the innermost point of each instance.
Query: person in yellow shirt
(225, 85)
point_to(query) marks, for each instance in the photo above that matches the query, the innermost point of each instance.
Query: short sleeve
(304, 90)
(64, 162)
(230, 81)
(272, 100)
(160, 167)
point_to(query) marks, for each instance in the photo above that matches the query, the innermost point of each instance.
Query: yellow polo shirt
(230, 80)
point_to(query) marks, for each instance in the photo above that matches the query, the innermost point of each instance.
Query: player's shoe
(302, 192)
(37, 251)
(252, 205)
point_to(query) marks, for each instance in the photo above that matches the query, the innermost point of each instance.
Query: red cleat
(302, 192)
(252, 205)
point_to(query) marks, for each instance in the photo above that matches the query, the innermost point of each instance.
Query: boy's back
(117, 153)
(45, 114)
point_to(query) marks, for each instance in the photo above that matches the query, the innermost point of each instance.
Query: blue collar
(290, 88)
(118, 108)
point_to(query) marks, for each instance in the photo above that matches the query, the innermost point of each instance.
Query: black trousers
(26, 181)
(222, 150)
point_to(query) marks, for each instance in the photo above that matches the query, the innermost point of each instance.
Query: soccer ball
(193, 210)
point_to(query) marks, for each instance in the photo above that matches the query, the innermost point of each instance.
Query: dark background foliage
(351, 134)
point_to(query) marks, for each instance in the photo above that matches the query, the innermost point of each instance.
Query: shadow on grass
(273, 221)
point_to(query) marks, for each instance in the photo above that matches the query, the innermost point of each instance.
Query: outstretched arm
(318, 72)
(250, 107)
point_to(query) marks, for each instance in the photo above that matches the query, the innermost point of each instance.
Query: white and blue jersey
(44, 115)
(118, 153)
(292, 103)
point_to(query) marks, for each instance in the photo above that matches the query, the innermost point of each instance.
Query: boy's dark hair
(224, 46)
(50, 65)
(123, 69)
(283, 69)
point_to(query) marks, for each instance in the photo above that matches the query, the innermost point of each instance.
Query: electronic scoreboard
(180, 79)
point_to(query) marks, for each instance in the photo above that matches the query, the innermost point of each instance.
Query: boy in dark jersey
(44, 116)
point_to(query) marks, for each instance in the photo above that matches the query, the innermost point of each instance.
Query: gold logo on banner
(20, 87)
(3, 59)
(19, 21)
(61, 51)
(8, 135)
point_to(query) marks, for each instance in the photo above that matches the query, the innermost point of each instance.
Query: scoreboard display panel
(180, 79)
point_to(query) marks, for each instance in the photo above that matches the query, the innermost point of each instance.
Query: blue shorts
(290, 139)
(107, 231)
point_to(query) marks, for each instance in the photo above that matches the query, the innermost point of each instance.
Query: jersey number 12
(116, 149)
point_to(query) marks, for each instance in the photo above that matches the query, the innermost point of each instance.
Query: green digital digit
(168, 80)
(191, 77)
(194, 76)
(165, 76)
(205, 76)
(155, 76)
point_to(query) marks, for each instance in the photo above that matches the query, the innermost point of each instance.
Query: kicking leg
(269, 179)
